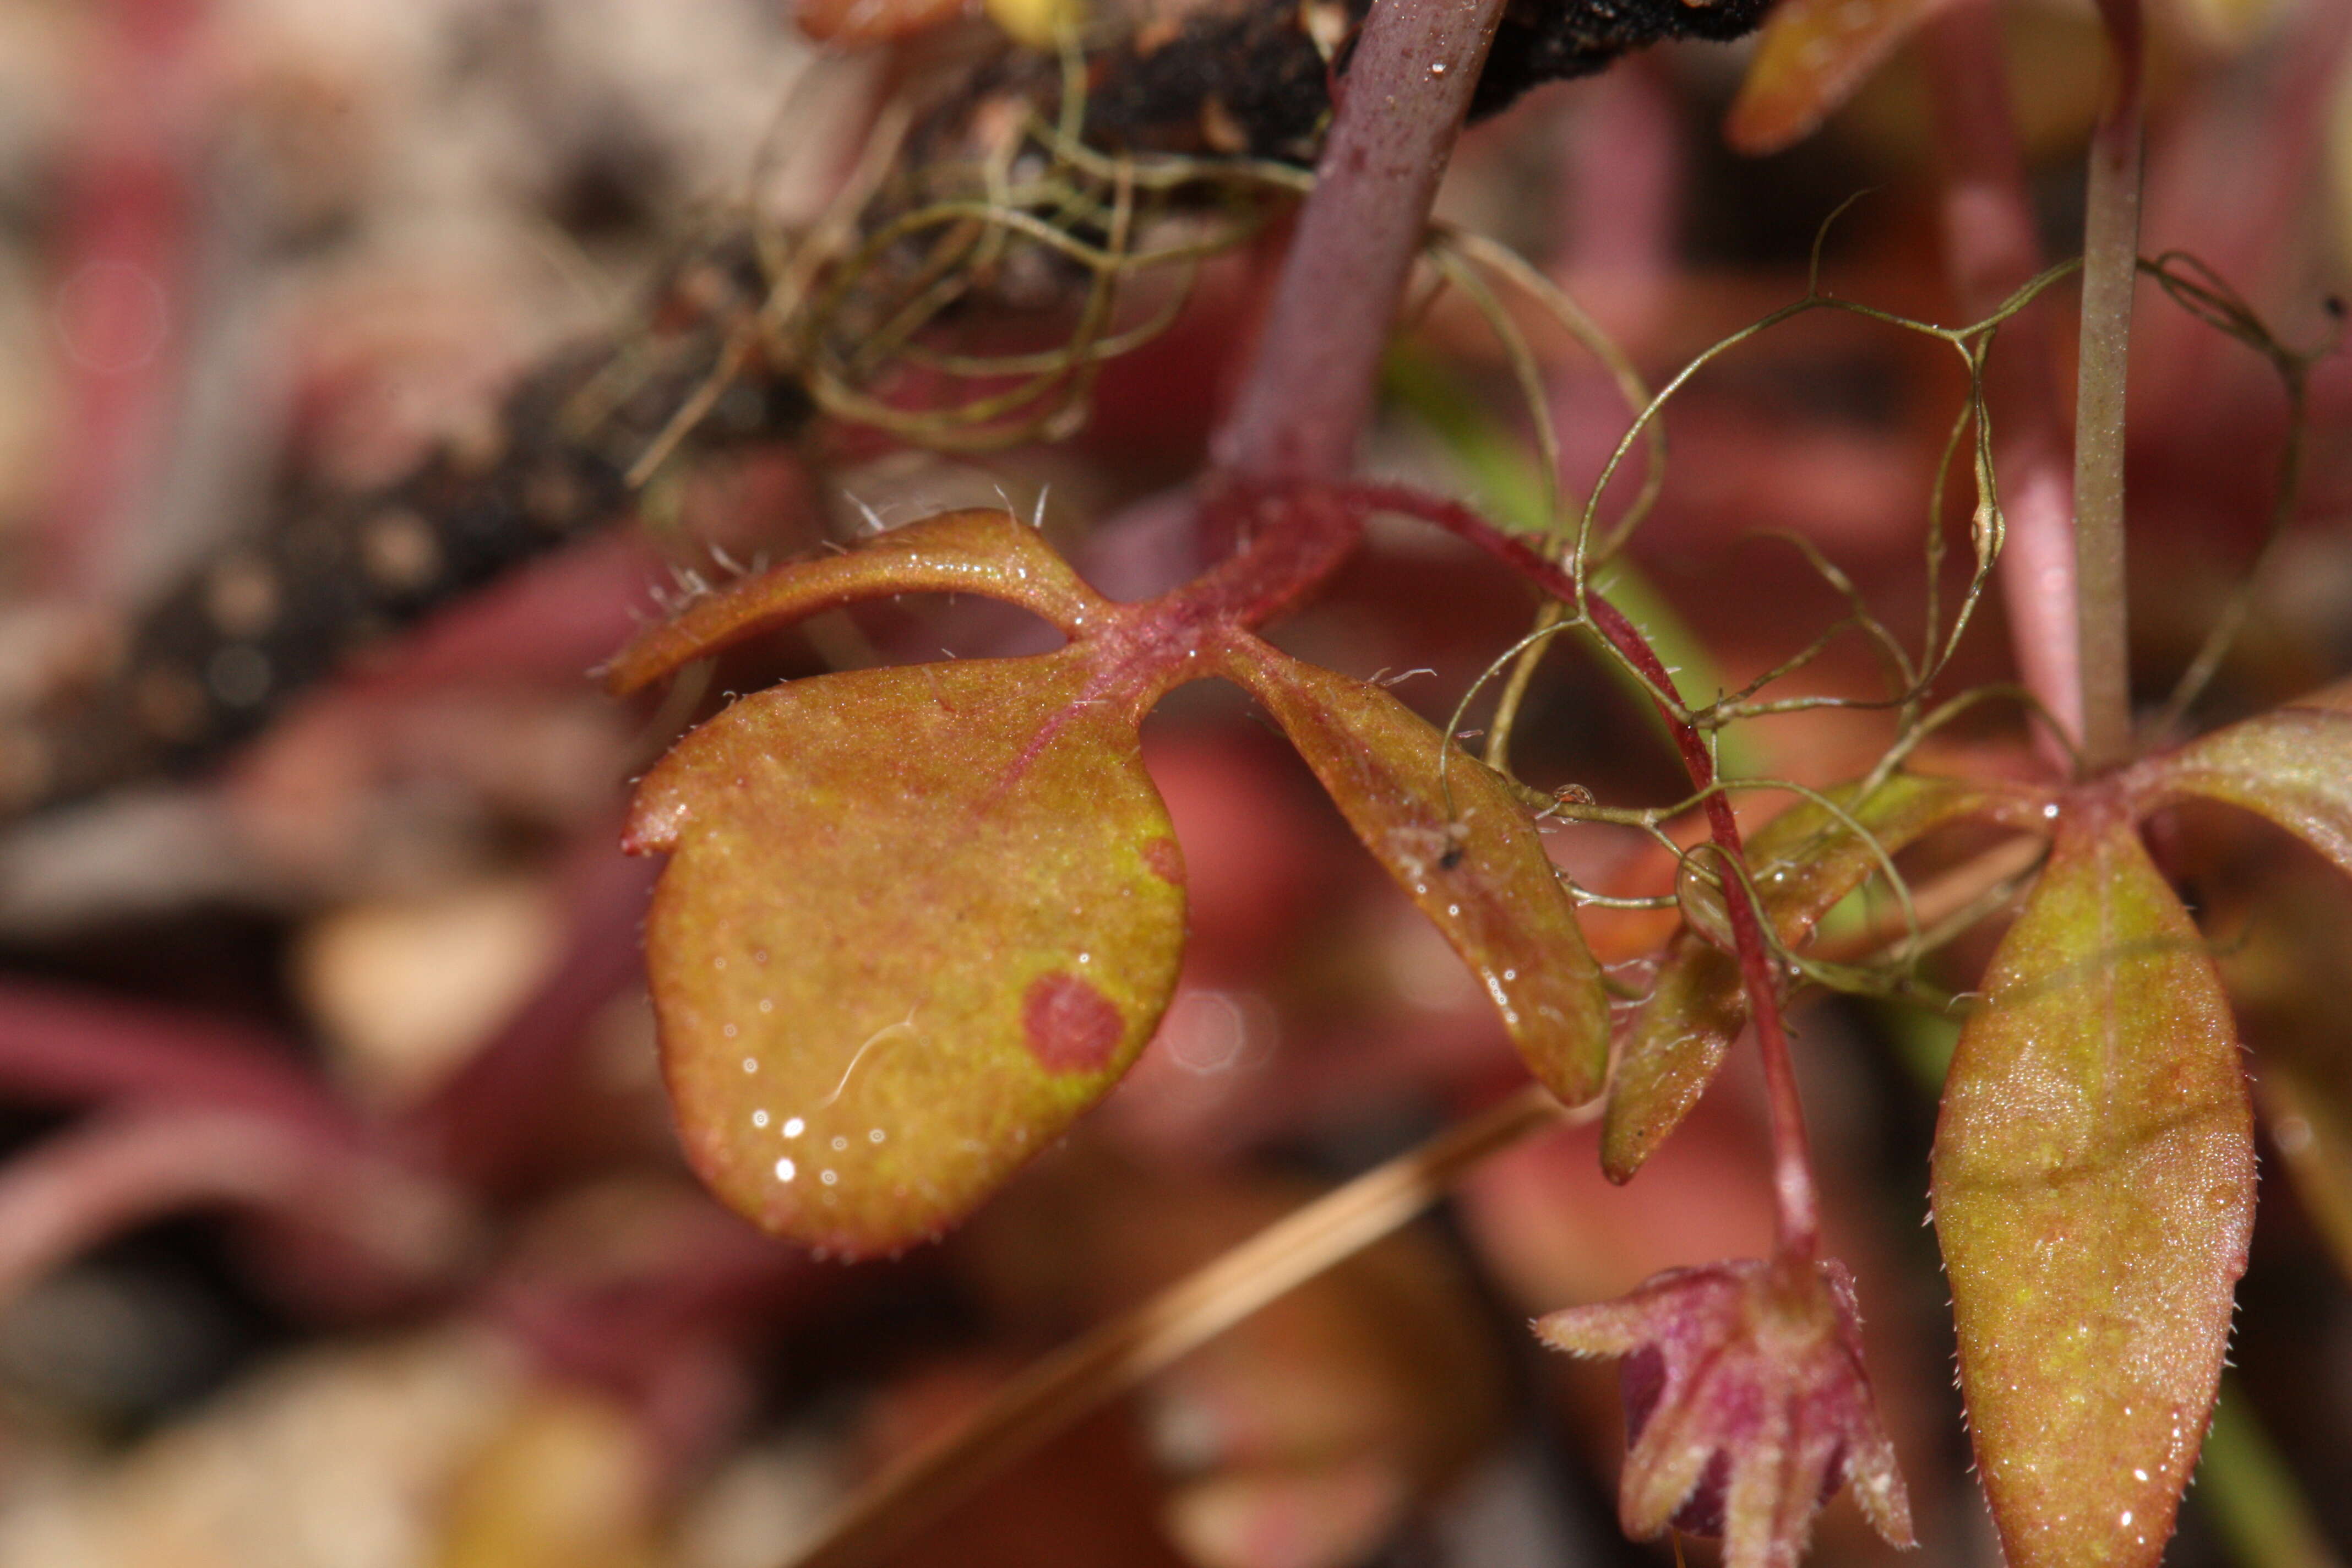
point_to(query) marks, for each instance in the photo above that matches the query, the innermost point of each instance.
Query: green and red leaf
(2094, 1194)
(2292, 765)
(990, 553)
(1802, 862)
(1470, 859)
(916, 920)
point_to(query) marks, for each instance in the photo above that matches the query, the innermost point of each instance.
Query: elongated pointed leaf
(991, 553)
(2292, 765)
(2093, 1194)
(1804, 861)
(1476, 869)
(916, 920)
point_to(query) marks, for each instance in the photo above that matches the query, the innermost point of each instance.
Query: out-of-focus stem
(1400, 107)
(107, 1175)
(2110, 268)
(124, 283)
(1990, 251)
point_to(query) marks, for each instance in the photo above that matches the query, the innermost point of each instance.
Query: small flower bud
(1745, 1404)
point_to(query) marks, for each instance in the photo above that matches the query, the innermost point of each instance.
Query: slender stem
(1991, 252)
(1798, 1205)
(2110, 268)
(1310, 390)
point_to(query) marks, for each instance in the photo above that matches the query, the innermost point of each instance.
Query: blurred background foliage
(341, 1223)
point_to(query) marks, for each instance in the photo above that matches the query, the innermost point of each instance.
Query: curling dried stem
(1990, 251)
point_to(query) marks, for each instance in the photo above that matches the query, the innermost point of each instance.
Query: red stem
(122, 283)
(1294, 426)
(1798, 1205)
(121, 1169)
(1309, 391)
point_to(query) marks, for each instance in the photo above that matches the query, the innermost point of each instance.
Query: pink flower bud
(1745, 1404)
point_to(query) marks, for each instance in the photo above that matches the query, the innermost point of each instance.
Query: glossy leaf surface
(2292, 765)
(1803, 862)
(1812, 57)
(1477, 869)
(991, 553)
(916, 920)
(2094, 1194)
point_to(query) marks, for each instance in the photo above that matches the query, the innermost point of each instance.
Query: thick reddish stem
(1295, 424)
(1400, 107)
(1798, 1205)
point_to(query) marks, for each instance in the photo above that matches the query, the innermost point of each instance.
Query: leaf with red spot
(1810, 57)
(2094, 1193)
(915, 920)
(1471, 862)
(2292, 765)
(1803, 862)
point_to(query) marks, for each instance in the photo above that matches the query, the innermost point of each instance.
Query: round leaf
(916, 920)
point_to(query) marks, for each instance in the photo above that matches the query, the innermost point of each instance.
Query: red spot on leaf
(1069, 1025)
(1166, 860)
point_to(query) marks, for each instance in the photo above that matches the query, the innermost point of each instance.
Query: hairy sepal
(2093, 1194)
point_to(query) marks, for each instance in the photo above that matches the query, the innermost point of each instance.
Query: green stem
(2110, 268)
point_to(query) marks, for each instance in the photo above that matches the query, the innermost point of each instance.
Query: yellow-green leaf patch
(2093, 1194)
